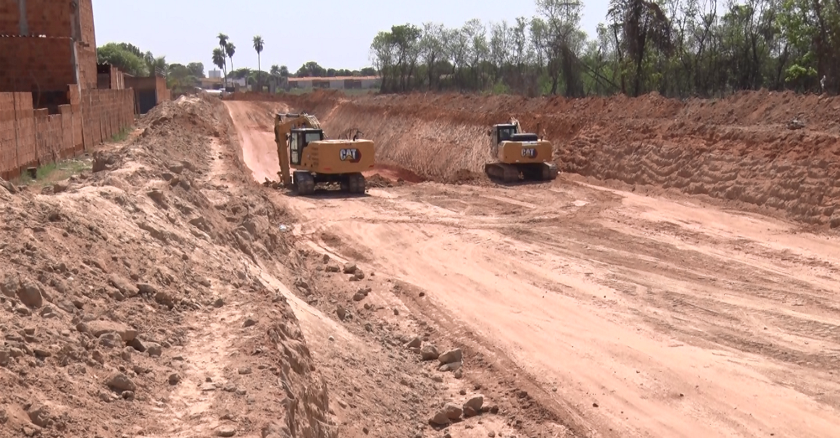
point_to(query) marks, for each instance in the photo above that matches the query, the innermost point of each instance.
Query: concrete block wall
(30, 137)
(35, 64)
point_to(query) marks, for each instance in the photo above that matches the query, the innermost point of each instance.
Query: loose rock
(174, 378)
(99, 327)
(453, 411)
(226, 431)
(249, 322)
(39, 415)
(30, 295)
(414, 343)
(359, 296)
(350, 268)
(451, 356)
(429, 352)
(475, 402)
(153, 349)
(440, 418)
(120, 382)
(164, 299)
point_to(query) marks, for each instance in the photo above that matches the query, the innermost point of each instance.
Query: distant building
(337, 83)
(214, 74)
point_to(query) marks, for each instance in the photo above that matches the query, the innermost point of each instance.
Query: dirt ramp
(766, 149)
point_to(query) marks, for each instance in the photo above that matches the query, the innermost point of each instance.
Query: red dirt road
(634, 316)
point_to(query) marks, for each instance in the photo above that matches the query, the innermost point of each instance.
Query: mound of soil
(130, 296)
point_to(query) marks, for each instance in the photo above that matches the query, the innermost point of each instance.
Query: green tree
(230, 50)
(259, 44)
(219, 60)
(223, 40)
(196, 69)
(122, 58)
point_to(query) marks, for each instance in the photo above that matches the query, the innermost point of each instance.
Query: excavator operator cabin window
(295, 148)
(505, 133)
(312, 136)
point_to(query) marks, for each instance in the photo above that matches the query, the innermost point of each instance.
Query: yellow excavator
(302, 145)
(519, 154)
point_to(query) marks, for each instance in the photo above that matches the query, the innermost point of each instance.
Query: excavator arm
(283, 125)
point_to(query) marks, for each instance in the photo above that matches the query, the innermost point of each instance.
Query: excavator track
(507, 173)
(549, 171)
(356, 183)
(304, 183)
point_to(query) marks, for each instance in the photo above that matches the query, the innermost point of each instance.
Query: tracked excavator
(303, 146)
(519, 154)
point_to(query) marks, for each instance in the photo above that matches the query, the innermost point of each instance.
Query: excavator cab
(504, 132)
(299, 138)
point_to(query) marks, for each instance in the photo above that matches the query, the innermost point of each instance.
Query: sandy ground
(629, 315)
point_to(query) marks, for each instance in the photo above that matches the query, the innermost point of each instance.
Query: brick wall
(31, 64)
(86, 58)
(31, 137)
(86, 20)
(43, 17)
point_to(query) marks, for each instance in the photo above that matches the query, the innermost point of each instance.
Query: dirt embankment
(131, 300)
(774, 150)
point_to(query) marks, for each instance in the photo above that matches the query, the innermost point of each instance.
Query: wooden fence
(31, 137)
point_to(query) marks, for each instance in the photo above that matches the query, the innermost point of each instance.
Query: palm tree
(223, 40)
(230, 50)
(258, 46)
(219, 58)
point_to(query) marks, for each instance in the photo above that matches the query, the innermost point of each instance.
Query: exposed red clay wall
(31, 137)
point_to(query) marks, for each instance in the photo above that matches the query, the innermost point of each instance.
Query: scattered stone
(332, 268)
(153, 349)
(475, 402)
(4, 417)
(459, 373)
(359, 275)
(359, 296)
(245, 370)
(111, 340)
(128, 395)
(39, 415)
(326, 258)
(414, 343)
(249, 322)
(440, 418)
(219, 302)
(454, 366)
(350, 268)
(462, 391)
(146, 289)
(226, 431)
(429, 352)
(491, 434)
(594, 405)
(397, 313)
(126, 287)
(4, 358)
(341, 312)
(453, 411)
(451, 356)
(165, 299)
(41, 353)
(469, 412)
(99, 327)
(30, 295)
(120, 382)
(174, 379)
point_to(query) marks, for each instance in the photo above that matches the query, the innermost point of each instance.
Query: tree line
(184, 78)
(678, 48)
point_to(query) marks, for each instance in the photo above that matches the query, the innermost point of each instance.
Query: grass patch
(120, 136)
(52, 172)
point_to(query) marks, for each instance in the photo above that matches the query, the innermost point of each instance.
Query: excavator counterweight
(515, 153)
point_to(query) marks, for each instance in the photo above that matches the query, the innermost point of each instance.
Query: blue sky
(334, 33)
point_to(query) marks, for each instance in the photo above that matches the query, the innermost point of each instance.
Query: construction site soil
(679, 278)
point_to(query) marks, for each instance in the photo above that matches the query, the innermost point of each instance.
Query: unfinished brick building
(46, 45)
(50, 107)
